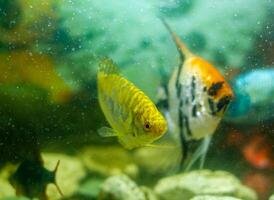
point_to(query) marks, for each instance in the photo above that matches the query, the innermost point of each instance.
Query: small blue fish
(254, 100)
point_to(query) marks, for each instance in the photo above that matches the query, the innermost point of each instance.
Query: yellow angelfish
(134, 118)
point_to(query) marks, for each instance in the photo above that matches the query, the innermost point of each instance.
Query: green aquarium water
(136, 100)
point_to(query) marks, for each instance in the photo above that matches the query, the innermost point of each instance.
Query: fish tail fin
(199, 154)
(184, 154)
(182, 49)
(205, 146)
(56, 185)
(107, 66)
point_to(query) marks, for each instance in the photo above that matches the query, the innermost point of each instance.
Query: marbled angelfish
(134, 118)
(197, 96)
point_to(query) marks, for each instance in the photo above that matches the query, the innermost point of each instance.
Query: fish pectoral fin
(107, 132)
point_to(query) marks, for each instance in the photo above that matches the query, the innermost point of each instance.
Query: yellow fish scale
(133, 116)
(124, 94)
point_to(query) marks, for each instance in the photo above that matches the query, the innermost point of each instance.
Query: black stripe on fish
(183, 141)
(211, 106)
(194, 111)
(188, 131)
(186, 101)
(193, 87)
(212, 91)
(184, 144)
(178, 90)
(184, 147)
(163, 102)
(184, 150)
(180, 112)
(223, 102)
(177, 83)
(180, 115)
(204, 89)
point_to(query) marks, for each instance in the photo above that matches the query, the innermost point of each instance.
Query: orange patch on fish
(210, 75)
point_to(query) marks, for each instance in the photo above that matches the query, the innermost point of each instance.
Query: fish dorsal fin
(107, 66)
(107, 132)
(56, 185)
(182, 49)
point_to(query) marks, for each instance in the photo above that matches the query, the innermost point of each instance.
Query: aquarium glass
(127, 99)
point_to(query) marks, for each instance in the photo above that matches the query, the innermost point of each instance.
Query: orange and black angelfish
(197, 97)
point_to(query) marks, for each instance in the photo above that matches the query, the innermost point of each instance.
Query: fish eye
(147, 126)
